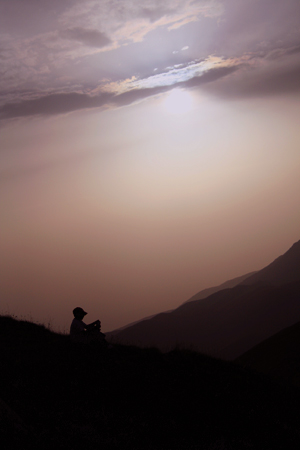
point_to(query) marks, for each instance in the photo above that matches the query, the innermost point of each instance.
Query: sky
(148, 150)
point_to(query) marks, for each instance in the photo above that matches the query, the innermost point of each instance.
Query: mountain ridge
(227, 284)
(284, 269)
(228, 322)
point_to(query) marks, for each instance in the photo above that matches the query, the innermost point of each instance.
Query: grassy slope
(70, 397)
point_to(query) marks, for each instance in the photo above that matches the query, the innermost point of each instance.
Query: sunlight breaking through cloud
(173, 75)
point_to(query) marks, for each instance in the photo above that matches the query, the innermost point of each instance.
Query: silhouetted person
(81, 332)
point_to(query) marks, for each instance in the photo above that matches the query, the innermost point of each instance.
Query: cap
(79, 312)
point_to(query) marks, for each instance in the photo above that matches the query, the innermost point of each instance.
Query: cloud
(91, 38)
(40, 47)
(98, 52)
(282, 52)
(210, 76)
(234, 79)
(260, 81)
(129, 97)
(227, 79)
(132, 20)
(179, 73)
(272, 83)
(155, 13)
(294, 50)
(131, 91)
(53, 104)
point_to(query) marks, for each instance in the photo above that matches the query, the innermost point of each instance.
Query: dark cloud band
(219, 80)
(53, 104)
(64, 103)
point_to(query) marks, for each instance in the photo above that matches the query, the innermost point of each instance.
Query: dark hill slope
(63, 396)
(278, 356)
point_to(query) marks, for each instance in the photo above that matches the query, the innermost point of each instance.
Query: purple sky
(148, 150)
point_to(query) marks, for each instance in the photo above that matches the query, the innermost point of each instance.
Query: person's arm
(93, 325)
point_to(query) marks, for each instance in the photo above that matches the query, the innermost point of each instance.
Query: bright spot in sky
(178, 102)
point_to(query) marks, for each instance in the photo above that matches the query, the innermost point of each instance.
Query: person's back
(77, 330)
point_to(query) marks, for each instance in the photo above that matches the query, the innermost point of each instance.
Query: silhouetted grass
(72, 397)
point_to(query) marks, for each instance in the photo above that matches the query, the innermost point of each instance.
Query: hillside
(57, 395)
(229, 322)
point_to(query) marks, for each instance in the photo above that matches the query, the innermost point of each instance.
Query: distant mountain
(231, 321)
(285, 269)
(277, 356)
(200, 295)
(228, 284)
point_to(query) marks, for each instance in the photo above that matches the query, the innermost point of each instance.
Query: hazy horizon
(148, 151)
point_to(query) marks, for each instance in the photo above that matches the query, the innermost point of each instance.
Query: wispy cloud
(39, 58)
(90, 38)
(132, 20)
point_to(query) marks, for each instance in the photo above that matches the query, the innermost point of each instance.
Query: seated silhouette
(80, 332)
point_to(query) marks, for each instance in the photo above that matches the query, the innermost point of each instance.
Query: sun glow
(178, 102)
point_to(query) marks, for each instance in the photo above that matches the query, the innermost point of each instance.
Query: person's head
(79, 313)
